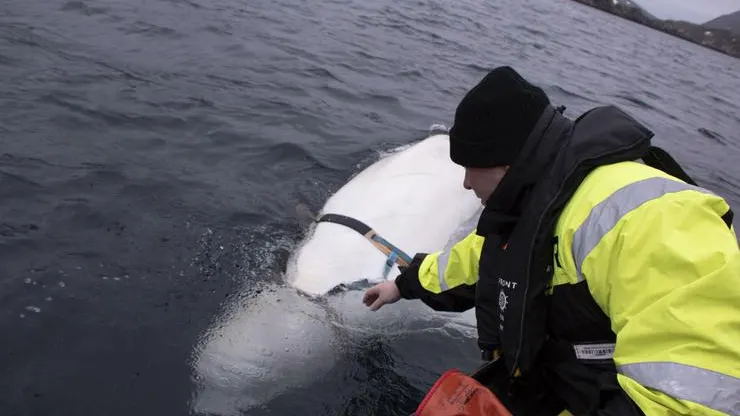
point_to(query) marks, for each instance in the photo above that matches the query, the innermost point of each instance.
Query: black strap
(660, 159)
(350, 222)
(728, 217)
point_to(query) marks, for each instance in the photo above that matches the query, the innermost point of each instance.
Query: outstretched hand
(381, 294)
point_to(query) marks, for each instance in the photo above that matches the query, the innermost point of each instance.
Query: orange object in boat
(457, 394)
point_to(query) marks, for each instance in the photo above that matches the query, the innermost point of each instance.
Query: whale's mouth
(361, 284)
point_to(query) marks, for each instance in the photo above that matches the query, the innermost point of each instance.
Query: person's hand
(381, 294)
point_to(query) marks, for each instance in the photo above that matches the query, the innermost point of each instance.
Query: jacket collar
(505, 205)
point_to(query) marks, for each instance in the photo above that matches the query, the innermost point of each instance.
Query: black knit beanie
(494, 119)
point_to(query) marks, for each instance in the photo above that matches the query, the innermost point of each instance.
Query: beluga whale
(293, 332)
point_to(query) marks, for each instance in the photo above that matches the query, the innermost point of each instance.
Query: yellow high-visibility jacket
(663, 265)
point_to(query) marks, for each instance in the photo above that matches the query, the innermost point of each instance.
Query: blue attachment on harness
(394, 255)
(389, 263)
(395, 251)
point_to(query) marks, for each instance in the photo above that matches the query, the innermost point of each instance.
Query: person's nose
(466, 181)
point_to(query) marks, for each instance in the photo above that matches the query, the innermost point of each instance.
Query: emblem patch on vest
(503, 300)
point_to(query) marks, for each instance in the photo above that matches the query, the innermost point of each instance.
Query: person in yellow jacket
(604, 278)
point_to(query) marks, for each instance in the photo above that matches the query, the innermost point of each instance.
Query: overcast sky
(696, 11)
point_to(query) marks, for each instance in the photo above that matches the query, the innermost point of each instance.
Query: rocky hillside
(717, 37)
(729, 22)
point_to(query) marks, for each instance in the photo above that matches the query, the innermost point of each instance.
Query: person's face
(483, 181)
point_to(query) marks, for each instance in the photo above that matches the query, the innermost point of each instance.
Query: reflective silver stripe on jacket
(463, 231)
(684, 382)
(606, 214)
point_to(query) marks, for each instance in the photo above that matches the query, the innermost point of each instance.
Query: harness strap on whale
(395, 254)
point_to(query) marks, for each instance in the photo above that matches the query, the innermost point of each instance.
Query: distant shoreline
(722, 41)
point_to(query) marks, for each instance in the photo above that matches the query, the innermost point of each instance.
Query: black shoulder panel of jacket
(662, 160)
(728, 217)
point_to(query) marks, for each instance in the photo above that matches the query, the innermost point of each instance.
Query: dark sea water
(153, 153)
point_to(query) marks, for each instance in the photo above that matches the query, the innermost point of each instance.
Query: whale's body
(289, 335)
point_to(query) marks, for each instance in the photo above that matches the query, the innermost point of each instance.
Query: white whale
(289, 335)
